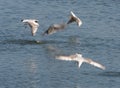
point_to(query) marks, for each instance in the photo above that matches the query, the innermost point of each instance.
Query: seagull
(74, 18)
(78, 57)
(54, 28)
(33, 23)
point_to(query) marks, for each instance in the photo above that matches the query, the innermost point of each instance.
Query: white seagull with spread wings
(33, 23)
(74, 18)
(78, 57)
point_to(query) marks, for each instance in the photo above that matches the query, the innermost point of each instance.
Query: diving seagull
(33, 23)
(74, 18)
(54, 28)
(78, 57)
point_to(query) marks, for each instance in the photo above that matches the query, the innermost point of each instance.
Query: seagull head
(36, 21)
(78, 55)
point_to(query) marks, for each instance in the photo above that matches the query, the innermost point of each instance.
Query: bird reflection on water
(31, 67)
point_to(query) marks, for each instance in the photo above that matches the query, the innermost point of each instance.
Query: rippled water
(26, 63)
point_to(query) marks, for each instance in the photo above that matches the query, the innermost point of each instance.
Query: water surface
(25, 63)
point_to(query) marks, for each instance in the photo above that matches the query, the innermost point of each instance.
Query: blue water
(25, 63)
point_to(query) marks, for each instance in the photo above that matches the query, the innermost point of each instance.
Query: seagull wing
(34, 29)
(59, 26)
(79, 22)
(67, 58)
(76, 57)
(95, 64)
(54, 28)
(72, 14)
(71, 20)
(49, 31)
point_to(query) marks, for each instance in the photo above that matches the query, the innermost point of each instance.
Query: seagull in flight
(74, 18)
(54, 28)
(78, 57)
(33, 23)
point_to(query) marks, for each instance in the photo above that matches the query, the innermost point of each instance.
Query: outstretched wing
(49, 31)
(67, 58)
(79, 22)
(34, 30)
(72, 14)
(96, 64)
(54, 28)
(59, 26)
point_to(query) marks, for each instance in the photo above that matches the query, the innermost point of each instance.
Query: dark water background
(24, 63)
